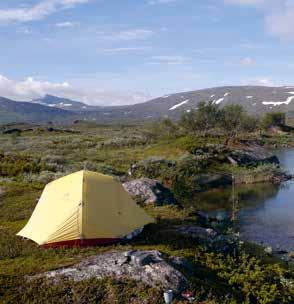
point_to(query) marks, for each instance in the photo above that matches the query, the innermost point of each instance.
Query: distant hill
(255, 99)
(14, 111)
(63, 103)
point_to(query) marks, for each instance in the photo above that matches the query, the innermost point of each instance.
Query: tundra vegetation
(183, 155)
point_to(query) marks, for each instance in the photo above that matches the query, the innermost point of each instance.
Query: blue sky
(126, 51)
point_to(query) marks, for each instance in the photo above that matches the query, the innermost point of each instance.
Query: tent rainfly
(82, 209)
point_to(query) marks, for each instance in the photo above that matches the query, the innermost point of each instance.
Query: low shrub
(12, 165)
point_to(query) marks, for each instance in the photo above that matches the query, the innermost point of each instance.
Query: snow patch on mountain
(65, 104)
(278, 103)
(178, 105)
(218, 101)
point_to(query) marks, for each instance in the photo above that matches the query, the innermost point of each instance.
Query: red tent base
(82, 243)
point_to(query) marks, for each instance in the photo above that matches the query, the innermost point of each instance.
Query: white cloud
(65, 24)
(264, 81)
(247, 2)
(30, 88)
(38, 11)
(170, 60)
(126, 35)
(261, 81)
(126, 49)
(132, 34)
(278, 15)
(71, 3)
(154, 2)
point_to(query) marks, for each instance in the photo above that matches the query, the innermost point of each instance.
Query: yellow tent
(84, 208)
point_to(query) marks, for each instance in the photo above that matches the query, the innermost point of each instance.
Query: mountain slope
(63, 103)
(14, 111)
(255, 99)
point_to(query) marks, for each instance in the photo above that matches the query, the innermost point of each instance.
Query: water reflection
(266, 213)
(271, 222)
(245, 195)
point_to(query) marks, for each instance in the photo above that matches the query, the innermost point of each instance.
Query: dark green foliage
(164, 128)
(85, 292)
(234, 119)
(189, 122)
(14, 165)
(273, 120)
(257, 282)
(203, 119)
(153, 167)
(231, 118)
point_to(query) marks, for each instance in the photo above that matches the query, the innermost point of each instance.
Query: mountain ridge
(255, 99)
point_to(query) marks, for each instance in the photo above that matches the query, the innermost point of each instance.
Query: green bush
(231, 118)
(14, 164)
(258, 283)
(273, 119)
(203, 119)
(85, 292)
(234, 119)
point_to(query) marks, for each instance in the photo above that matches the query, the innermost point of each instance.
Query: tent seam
(82, 207)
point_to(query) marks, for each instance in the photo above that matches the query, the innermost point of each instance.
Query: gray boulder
(148, 191)
(148, 267)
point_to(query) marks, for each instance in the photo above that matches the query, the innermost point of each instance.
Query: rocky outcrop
(251, 154)
(148, 267)
(238, 153)
(148, 191)
(201, 169)
(12, 131)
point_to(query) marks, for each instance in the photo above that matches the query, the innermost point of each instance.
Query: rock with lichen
(148, 267)
(148, 191)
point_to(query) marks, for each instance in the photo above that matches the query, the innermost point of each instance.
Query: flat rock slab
(145, 266)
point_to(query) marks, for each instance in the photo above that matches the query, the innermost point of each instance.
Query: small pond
(266, 213)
